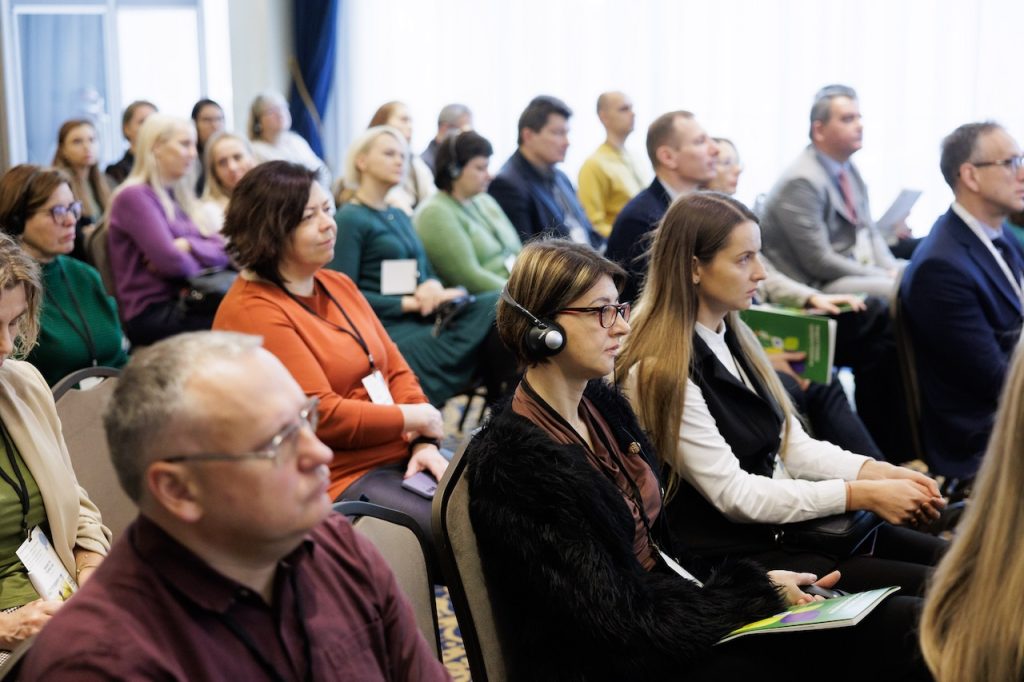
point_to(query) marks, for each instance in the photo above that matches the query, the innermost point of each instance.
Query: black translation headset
(454, 167)
(544, 337)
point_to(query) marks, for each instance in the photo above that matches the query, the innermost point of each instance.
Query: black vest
(751, 423)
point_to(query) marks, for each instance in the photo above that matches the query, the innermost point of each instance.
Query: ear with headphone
(544, 337)
(454, 167)
(19, 216)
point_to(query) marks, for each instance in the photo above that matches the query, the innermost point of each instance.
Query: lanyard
(353, 332)
(20, 488)
(84, 332)
(238, 631)
(634, 494)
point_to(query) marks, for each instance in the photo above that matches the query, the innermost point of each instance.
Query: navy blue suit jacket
(527, 198)
(628, 241)
(964, 319)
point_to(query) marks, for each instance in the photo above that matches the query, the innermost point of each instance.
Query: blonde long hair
(347, 185)
(157, 129)
(972, 627)
(660, 344)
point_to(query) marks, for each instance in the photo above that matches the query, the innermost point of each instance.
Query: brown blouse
(527, 403)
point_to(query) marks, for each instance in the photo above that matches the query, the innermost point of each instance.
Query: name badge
(510, 260)
(399, 276)
(676, 568)
(377, 388)
(46, 572)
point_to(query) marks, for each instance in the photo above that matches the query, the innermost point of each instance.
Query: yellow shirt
(608, 180)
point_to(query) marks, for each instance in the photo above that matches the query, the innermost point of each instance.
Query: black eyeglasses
(58, 213)
(1014, 163)
(606, 313)
(285, 442)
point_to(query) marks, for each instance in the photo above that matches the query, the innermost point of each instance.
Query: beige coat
(28, 412)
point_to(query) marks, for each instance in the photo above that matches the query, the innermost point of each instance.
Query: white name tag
(399, 276)
(671, 563)
(510, 260)
(47, 574)
(377, 388)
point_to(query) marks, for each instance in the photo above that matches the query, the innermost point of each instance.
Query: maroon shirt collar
(194, 579)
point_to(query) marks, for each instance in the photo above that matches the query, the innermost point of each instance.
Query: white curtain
(747, 68)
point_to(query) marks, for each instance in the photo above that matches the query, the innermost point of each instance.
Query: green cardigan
(63, 347)
(468, 244)
(444, 364)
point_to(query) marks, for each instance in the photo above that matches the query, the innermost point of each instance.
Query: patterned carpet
(452, 652)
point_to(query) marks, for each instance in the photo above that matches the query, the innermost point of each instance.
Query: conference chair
(9, 668)
(81, 416)
(460, 563)
(401, 542)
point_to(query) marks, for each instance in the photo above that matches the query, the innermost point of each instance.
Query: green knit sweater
(76, 313)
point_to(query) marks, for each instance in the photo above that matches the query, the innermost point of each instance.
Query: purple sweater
(146, 265)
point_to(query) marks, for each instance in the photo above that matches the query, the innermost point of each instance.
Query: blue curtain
(316, 39)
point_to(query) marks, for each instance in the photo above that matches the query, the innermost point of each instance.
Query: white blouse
(807, 483)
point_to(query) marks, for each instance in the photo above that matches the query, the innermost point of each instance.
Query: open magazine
(840, 612)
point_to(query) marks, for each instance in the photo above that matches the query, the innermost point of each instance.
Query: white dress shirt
(807, 481)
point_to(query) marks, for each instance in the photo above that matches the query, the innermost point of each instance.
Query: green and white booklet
(839, 612)
(786, 329)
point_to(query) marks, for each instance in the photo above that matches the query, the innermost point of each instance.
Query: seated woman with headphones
(468, 239)
(565, 502)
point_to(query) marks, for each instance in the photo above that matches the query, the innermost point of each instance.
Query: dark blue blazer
(964, 319)
(528, 199)
(628, 241)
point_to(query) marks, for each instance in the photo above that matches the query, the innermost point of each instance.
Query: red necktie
(847, 190)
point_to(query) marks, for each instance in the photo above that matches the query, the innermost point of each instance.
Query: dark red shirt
(154, 610)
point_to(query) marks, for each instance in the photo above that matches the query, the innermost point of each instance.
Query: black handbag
(204, 290)
(839, 535)
(448, 311)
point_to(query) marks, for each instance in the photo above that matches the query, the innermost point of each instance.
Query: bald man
(609, 178)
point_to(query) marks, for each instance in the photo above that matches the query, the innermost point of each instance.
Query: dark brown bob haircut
(549, 274)
(265, 208)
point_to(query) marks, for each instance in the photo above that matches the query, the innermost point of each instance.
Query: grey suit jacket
(810, 236)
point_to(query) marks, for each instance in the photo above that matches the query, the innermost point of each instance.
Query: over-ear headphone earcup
(546, 339)
(454, 171)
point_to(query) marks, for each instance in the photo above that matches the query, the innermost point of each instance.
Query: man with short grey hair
(236, 568)
(816, 226)
(962, 296)
(453, 119)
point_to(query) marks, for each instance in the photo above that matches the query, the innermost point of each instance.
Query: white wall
(261, 39)
(748, 69)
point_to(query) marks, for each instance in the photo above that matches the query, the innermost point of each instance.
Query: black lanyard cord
(634, 493)
(84, 331)
(272, 672)
(20, 488)
(353, 332)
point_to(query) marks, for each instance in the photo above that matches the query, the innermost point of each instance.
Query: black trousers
(830, 416)
(866, 344)
(160, 320)
(883, 646)
(896, 556)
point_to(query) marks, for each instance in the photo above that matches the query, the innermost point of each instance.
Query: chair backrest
(460, 561)
(81, 417)
(908, 371)
(97, 249)
(400, 541)
(9, 668)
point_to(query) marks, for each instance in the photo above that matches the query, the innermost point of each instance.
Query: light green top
(469, 243)
(15, 588)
